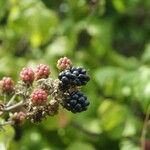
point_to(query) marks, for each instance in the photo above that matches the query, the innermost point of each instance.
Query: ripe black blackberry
(74, 76)
(76, 102)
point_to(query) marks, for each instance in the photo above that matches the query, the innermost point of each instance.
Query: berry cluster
(7, 84)
(71, 79)
(74, 76)
(42, 95)
(76, 102)
(42, 71)
(39, 97)
(64, 63)
(27, 75)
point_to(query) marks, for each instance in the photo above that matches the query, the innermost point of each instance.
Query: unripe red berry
(19, 117)
(39, 97)
(27, 75)
(42, 71)
(7, 84)
(64, 63)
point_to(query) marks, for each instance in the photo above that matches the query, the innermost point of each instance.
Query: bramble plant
(37, 96)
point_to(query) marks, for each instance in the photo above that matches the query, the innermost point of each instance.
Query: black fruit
(74, 76)
(76, 102)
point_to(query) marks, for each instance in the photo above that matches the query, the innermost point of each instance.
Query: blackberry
(76, 102)
(74, 76)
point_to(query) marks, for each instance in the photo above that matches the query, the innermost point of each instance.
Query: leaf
(130, 127)
(119, 5)
(112, 118)
(3, 8)
(108, 78)
(59, 121)
(50, 123)
(146, 54)
(93, 126)
(80, 146)
(107, 75)
(58, 47)
(129, 145)
(34, 21)
(6, 136)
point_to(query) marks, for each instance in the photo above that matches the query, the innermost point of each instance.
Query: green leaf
(59, 47)
(130, 127)
(146, 54)
(107, 78)
(80, 145)
(34, 21)
(107, 75)
(112, 117)
(6, 137)
(93, 126)
(129, 145)
(50, 123)
(119, 5)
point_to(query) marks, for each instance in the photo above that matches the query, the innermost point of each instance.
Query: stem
(21, 103)
(5, 98)
(11, 100)
(144, 130)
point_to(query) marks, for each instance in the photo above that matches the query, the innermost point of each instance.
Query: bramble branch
(37, 96)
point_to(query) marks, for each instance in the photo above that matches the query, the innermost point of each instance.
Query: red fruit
(42, 71)
(27, 75)
(7, 84)
(64, 63)
(39, 97)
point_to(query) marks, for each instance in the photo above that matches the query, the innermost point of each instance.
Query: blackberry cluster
(74, 76)
(76, 102)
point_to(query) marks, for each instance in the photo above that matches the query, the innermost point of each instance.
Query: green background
(111, 39)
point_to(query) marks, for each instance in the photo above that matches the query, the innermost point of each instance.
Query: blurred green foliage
(109, 38)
